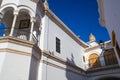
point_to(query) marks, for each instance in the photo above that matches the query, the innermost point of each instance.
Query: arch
(110, 57)
(7, 18)
(27, 9)
(5, 8)
(94, 61)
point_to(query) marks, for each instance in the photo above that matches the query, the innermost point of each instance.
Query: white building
(36, 45)
(109, 11)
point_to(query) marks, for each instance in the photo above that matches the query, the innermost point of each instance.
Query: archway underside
(110, 78)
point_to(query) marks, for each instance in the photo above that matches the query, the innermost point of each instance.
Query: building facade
(109, 17)
(36, 45)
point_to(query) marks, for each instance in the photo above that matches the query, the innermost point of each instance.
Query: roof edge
(101, 13)
(64, 27)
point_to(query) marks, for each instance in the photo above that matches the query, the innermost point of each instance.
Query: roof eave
(101, 13)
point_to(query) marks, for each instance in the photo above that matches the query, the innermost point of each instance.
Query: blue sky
(81, 16)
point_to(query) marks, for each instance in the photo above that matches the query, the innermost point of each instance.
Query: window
(57, 45)
(110, 57)
(24, 24)
(84, 58)
(94, 61)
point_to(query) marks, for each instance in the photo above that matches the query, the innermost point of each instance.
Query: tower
(19, 39)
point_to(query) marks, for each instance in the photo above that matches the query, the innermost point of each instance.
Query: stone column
(14, 21)
(33, 20)
(1, 17)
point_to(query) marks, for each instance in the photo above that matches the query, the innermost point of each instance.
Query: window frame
(58, 45)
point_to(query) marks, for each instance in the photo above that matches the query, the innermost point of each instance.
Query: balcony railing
(4, 32)
(102, 62)
(23, 34)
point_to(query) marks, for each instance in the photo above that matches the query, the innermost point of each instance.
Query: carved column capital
(16, 12)
(33, 19)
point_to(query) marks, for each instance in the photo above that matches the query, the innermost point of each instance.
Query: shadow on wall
(69, 73)
(34, 66)
(109, 78)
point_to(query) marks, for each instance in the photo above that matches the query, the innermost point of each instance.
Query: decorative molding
(62, 68)
(36, 1)
(106, 68)
(8, 4)
(19, 42)
(57, 59)
(92, 48)
(15, 51)
(16, 41)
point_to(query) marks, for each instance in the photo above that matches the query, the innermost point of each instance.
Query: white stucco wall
(17, 62)
(70, 49)
(112, 16)
(55, 70)
(9, 1)
(2, 58)
(15, 67)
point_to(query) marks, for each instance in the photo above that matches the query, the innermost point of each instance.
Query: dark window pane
(57, 45)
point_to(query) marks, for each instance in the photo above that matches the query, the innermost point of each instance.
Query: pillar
(33, 20)
(14, 21)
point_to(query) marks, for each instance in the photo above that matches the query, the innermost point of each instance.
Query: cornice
(92, 48)
(22, 43)
(62, 61)
(101, 12)
(106, 68)
(16, 41)
(15, 51)
(53, 17)
(63, 68)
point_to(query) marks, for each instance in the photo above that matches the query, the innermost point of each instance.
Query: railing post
(117, 56)
(33, 20)
(14, 21)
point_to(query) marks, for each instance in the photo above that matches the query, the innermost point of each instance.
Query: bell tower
(20, 39)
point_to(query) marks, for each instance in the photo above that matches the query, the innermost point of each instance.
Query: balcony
(106, 62)
(23, 34)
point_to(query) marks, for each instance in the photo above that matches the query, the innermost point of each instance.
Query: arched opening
(110, 57)
(6, 22)
(94, 61)
(109, 78)
(22, 26)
